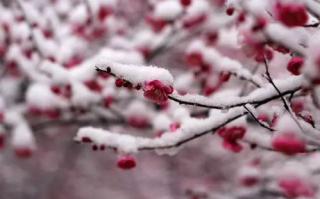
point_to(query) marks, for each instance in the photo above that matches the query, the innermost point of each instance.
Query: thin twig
(314, 25)
(213, 129)
(258, 121)
(285, 103)
(247, 79)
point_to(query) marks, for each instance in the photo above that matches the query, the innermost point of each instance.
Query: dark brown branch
(286, 105)
(219, 107)
(248, 80)
(215, 128)
(314, 25)
(255, 103)
(199, 104)
(258, 121)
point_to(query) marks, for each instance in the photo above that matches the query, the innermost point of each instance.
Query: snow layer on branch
(223, 63)
(254, 135)
(82, 96)
(252, 109)
(136, 73)
(13, 52)
(27, 66)
(286, 124)
(69, 47)
(47, 47)
(161, 122)
(313, 6)
(151, 40)
(108, 2)
(41, 96)
(284, 85)
(6, 16)
(119, 41)
(57, 72)
(85, 71)
(197, 7)
(293, 169)
(79, 14)
(125, 143)
(2, 103)
(109, 91)
(143, 38)
(94, 5)
(181, 114)
(122, 56)
(20, 31)
(190, 128)
(31, 13)
(257, 6)
(137, 107)
(62, 7)
(287, 37)
(168, 10)
(185, 83)
(22, 136)
(13, 117)
(229, 38)
(249, 172)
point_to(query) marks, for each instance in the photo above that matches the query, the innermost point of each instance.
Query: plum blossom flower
(291, 14)
(232, 146)
(288, 144)
(126, 163)
(294, 186)
(156, 91)
(230, 137)
(294, 65)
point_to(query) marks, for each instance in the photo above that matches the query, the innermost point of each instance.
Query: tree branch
(258, 121)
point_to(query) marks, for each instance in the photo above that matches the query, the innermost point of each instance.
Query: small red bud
(224, 76)
(86, 140)
(194, 59)
(138, 87)
(103, 75)
(95, 147)
(55, 89)
(230, 11)
(241, 17)
(126, 163)
(127, 84)
(119, 82)
(259, 24)
(102, 147)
